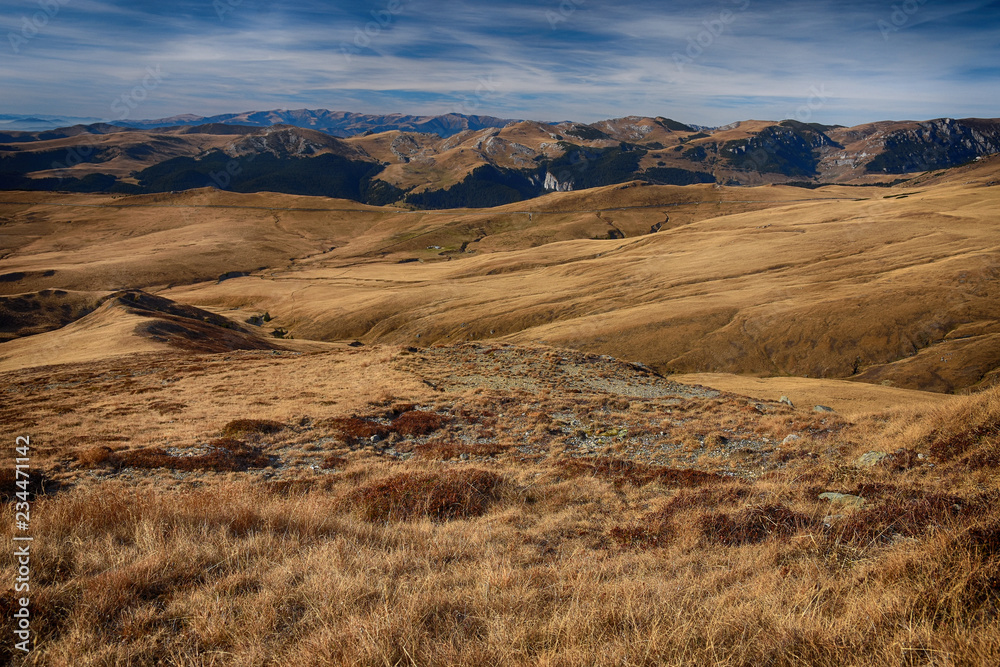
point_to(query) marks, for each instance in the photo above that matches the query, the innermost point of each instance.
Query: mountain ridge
(482, 167)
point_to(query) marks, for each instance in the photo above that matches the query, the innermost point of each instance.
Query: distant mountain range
(472, 161)
(335, 123)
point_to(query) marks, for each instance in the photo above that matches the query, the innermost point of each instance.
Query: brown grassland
(474, 505)
(449, 461)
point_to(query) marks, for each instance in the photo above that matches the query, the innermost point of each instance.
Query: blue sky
(710, 63)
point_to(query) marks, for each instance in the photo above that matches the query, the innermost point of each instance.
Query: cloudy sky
(830, 61)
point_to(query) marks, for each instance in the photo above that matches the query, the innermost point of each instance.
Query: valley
(635, 423)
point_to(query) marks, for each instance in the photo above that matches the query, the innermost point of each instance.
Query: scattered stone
(355, 343)
(791, 438)
(823, 408)
(842, 498)
(871, 459)
(787, 401)
(375, 438)
(464, 456)
(829, 520)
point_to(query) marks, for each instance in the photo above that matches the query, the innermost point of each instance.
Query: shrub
(240, 428)
(411, 423)
(896, 515)
(352, 429)
(96, 456)
(644, 535)
(417, 422)
(225, 455)
(38, 483)
(620, 471)
(333, 461)
(442, 496)
(750, 525)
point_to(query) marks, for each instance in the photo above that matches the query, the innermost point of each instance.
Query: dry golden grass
(491, 503)
(536, 550)
(887, 285)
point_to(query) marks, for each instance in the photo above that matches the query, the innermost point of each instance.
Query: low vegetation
(492, 525)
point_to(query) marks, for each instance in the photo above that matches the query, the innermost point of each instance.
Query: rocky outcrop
(936, 144)
(552, 184)
(284, 141)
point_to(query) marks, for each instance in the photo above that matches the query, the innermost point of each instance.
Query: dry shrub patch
(751, 525)
(620, 471)
(332, 461)
(411, 423)
(417, 422)
(645, 534)
(901, 515)
(454, 494)
(352, 429)
(38, 483)
(224, 455)
(241, 428)
(984, 539)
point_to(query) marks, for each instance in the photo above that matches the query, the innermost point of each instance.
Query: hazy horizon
(841, 63)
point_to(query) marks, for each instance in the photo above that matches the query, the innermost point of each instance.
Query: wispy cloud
(711, 63)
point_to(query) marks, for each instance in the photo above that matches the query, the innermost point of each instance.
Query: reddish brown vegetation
(411, 423)
(352, 429)
(167, 407)
(333, 461)
(37, 483)
(750, 525)
(620, 471)
(224, 455)
(644, 535)
(454, 494)
(416, 422)
(240, 428)
(903, 514)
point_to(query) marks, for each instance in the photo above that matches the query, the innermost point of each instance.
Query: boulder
(871, 459)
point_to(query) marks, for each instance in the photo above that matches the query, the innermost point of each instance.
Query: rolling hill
(278, 424)
(887, 285)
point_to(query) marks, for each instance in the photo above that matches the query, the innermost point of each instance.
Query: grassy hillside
(491, 504)
(888, 285)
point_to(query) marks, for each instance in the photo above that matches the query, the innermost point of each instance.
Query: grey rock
(823, 408)
(787, 401)
(871, 459)
(842, 498)
(791, 438)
